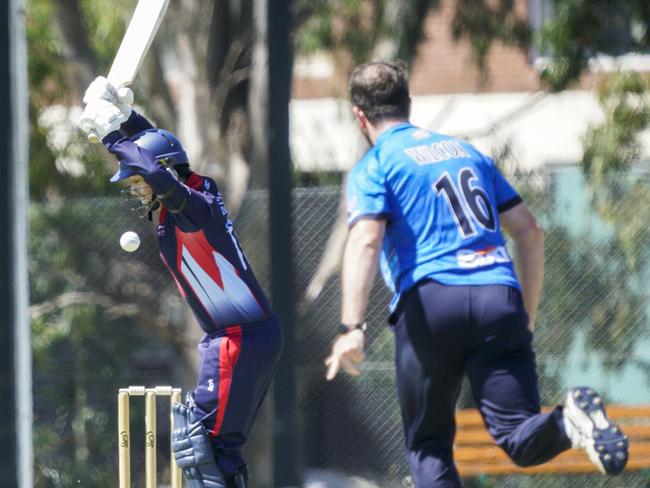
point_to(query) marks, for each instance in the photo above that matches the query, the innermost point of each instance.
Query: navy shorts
(444, 332)
(236, 368)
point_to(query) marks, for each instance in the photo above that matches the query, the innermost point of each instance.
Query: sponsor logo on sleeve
(470, 259)
(420, 134)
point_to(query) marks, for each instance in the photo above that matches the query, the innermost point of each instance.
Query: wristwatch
(345, 328)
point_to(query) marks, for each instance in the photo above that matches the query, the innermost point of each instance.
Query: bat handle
(93, 138)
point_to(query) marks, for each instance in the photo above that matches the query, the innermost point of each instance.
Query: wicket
(124, 436)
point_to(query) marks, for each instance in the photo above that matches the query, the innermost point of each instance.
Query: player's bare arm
(360, 264)
(528, 237)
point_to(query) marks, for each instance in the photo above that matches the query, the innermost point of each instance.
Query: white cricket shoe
(589, 428)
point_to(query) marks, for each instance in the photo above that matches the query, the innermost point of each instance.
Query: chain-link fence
(104, 319)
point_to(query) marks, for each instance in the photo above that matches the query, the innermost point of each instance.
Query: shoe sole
(606, 445)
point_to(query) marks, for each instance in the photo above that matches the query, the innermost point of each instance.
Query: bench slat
(475, 452)
(472, 417)
(479, 436)
(494, 455)
(548, 468)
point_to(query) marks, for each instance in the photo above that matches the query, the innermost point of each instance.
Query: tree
(622, 199)
(581, 29)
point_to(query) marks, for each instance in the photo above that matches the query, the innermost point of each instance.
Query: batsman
(242, 337)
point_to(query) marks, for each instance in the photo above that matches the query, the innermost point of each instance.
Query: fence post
(285, 442)
(16, 457)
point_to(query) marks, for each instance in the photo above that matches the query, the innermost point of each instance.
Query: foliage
(613, 145)
(353, 30)
(587, 287)
(580, 29)
(51, 144)
(621, 197)
(87, 339)
(483, 24)
(105, 19)
(604, 302)
(612, 148)
(45, 76)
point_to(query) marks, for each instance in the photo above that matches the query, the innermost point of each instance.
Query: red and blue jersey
(197, 240)
(207, 262)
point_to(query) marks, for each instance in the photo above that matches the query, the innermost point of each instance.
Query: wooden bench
(476, 453)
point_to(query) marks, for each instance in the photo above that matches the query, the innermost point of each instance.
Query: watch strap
(345, 328)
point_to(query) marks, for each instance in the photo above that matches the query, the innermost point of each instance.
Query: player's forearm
(529, 263)
(360, 264)
(135, 123)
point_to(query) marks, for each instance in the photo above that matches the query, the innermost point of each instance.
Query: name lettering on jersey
(469, 259)
(436, 152)
(222, 206)
(231, 232)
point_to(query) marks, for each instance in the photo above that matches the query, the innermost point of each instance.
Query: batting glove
(102, 89)
(101, 117)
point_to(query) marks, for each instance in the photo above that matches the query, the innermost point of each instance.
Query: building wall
(446, 66)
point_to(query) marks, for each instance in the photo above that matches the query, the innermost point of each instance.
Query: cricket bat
(139, 34)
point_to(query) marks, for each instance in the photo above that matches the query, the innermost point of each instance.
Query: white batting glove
(102, 89)
(101, 117)
(125, 99)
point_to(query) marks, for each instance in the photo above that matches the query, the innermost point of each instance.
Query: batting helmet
(162, 144)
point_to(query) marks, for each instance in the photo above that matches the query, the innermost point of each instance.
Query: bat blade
(138, 37)
(139, 34)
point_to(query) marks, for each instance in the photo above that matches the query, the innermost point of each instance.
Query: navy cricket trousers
(235, 371)
(444, 332)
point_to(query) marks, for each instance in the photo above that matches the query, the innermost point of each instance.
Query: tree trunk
(258, 97)
(80, 63)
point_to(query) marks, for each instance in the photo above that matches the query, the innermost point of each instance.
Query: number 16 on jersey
(470, 206)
